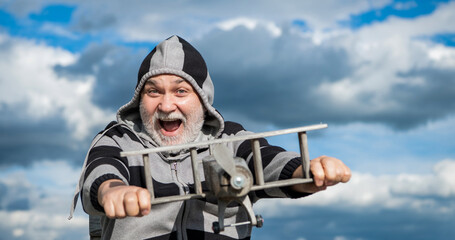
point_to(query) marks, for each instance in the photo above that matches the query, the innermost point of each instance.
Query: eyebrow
(180, 80)
(151, 81)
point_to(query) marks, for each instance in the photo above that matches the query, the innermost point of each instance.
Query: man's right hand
(120, 200)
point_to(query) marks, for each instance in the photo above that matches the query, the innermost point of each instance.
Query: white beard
(192, 125)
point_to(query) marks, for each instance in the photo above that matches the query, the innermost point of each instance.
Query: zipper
(185, 187)
(186, 190)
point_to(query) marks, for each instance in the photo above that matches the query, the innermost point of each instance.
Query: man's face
(171, 110)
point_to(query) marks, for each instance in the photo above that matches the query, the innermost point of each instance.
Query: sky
(381, 74)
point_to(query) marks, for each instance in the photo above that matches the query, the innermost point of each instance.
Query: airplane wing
(229, 179)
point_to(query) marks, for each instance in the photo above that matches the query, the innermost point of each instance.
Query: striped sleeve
(103, 163)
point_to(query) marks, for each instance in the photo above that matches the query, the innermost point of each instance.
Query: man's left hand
(327, 171)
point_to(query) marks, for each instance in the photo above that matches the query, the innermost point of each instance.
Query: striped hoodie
(172, 175)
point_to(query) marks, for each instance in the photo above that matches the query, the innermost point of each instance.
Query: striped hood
(174, 56)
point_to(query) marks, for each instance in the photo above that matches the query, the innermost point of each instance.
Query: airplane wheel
(260, 221)
(216, 227)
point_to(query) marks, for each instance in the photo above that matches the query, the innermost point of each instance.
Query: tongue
(171, 126)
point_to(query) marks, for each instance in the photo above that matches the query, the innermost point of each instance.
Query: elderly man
(172, 104)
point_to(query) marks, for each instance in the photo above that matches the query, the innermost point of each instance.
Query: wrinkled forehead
(167, 79)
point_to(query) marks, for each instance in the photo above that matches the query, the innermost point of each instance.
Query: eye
(151, 91)
(181, 92)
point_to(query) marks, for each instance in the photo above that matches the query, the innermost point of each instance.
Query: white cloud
(232, 23)
(136, 32)
(38, 225)
(443, 56)
(144, 21)
(50, 28)
(48, 188)
(354, 75)
(153, 21)
(378, 53)
(405, 5)
(250, 24)
(28, 79)
(419, 192)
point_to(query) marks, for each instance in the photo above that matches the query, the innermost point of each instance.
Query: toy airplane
(228, 177)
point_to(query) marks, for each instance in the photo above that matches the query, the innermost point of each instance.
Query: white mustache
(169, 116)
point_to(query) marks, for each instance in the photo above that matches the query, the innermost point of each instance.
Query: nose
(167, 104)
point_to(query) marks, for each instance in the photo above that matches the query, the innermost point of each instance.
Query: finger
(120, 210)
(331, 171)
(130, 203)
(144, 201)
(347, 174)
(109, 209)
(343, 172)
(318, 172)
(311, 188)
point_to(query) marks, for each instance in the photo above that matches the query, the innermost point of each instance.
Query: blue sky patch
(38, 26)
(302, 25)
(58, 16)
(54, 13)
(400, 8)
(447, 39)
(7, 20)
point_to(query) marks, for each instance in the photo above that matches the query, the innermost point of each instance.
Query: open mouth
(170, 125)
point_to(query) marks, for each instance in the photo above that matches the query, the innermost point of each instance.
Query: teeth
(169, 120)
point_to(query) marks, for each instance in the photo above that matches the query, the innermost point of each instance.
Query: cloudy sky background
(381, 74)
